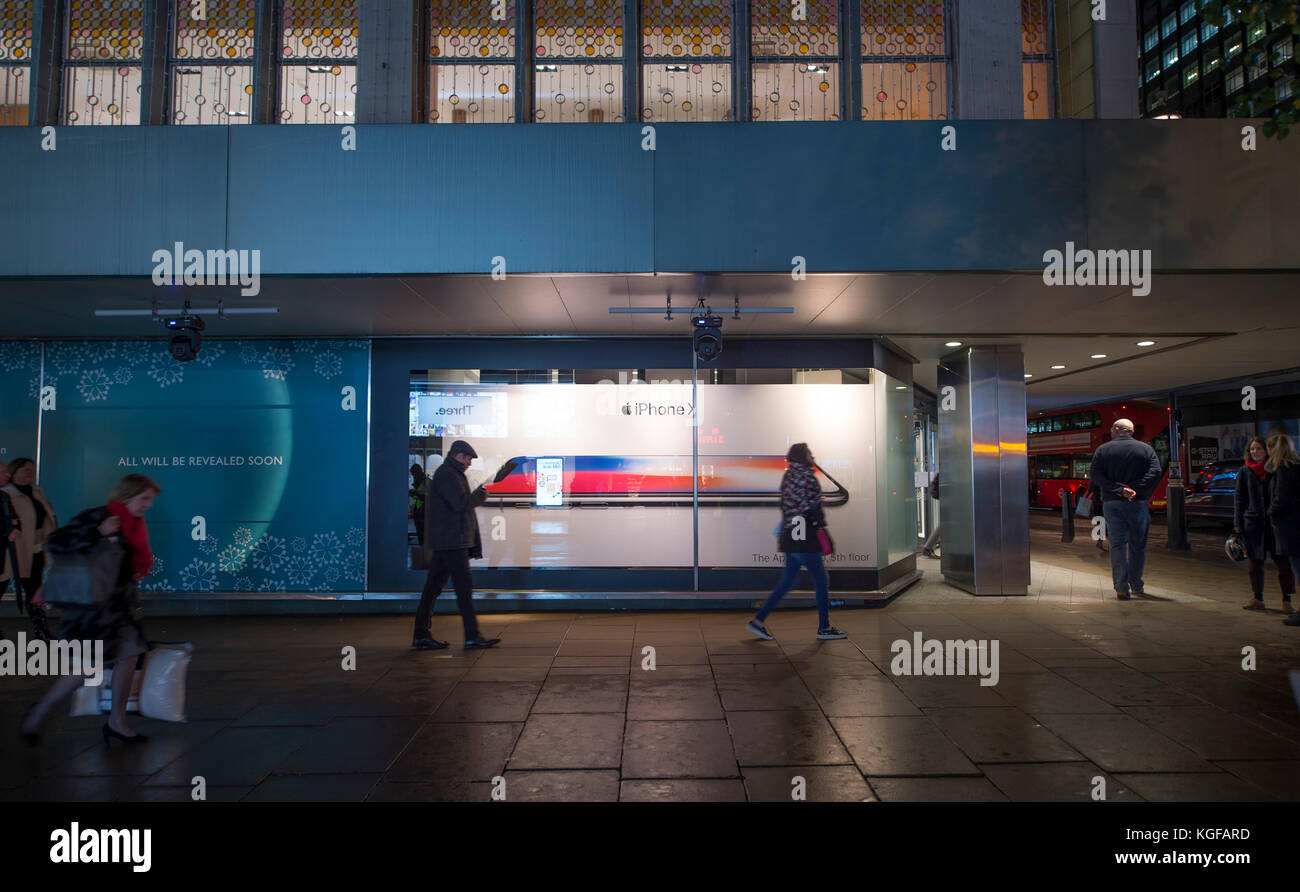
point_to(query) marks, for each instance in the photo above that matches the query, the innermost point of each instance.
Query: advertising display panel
(600, 475)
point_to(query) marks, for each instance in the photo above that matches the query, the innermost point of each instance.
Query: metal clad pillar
(984, 471)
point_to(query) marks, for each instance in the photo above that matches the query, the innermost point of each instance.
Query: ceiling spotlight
(1146, 343)
(1057, 367)
(900, 387)
(1099, 356)
(1027, 375)
(953, 344)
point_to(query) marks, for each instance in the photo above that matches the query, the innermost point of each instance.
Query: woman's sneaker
(758, 629)
(830, 632)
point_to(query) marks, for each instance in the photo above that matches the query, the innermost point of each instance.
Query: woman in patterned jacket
(801, 517)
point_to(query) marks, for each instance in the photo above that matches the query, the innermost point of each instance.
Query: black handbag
(84, 578)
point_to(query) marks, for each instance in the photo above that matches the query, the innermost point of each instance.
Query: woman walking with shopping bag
(804, 539)
(113, 534)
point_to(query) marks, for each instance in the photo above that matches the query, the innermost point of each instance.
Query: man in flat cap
(451, 531)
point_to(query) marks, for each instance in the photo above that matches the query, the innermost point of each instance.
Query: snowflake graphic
(332, 575)
(139, 352)
(100, 352)
(326, 549)
(328, 364)
(271, 584)
(244, 537)
(157, 566)
(34, 387)
(162, 585)
(307, 347)
(299, 544)
(299, 570)
(66, 357)
(123, 375)
(243, 584)
(354, 568)
(211, 352)
(232, 559)
(277, 363)
(15, 355)
(199, 576)
(248, 353)
(166, 371)
(94, 385)
(208, 545)
(268, 553)
(356, 536)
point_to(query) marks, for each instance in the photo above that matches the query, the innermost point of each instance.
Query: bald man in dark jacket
(1126, 470)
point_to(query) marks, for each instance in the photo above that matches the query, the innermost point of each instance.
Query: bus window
(1051, 467)
(1058, 423)
(1082, 462)
(1160, 443)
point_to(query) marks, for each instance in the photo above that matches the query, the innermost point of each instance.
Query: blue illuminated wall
(263, 439)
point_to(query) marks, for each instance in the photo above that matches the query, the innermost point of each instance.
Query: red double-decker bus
(1061, 445)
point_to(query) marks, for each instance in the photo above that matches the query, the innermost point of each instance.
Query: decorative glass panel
(472, 94)
(905, 91)
(318, 94)
(578, 29)
(775, 33)
(903, 29)
(691, 28)
(466, 29)
(1038, 85)
(13, 94)
(686, 92)
(16, 18)
(226, 33)
(212, 94)
(102, 94)
(319, 29)
(591, 94)
(105, 30)
(796, 91)
(1033, 25)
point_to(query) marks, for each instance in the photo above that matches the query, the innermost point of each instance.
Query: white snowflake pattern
(94, 385)
(244, 537)
(328, 364)
(65, 357)
(356, 536)
(15, 355)
(306, 347)
(100, 352)
(326, 549)
(271, 584)
(299, 570)
(332, 575)
(299, 544)
(140, 352)
(243, 584)
(268, 553)
(354, 568)
(157, 566)
(211, 352)
(162, 585)
(199, 576)
(277, 363)
(208, 545)
(123, 375)
(232, 559)
(248, 353)
(166, 371)
(34, 387)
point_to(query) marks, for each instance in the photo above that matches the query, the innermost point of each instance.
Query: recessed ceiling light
(1099, 356)
(1146, 343)
(953, 344)
(901, 387)
(1057, 367)
(1027, 375)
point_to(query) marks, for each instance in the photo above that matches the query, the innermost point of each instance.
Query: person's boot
(1257, 603)
(1287, 608)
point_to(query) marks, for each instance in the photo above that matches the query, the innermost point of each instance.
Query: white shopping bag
(99, 699)
(157, 691)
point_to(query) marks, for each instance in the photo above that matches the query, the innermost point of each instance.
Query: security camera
(185, 345)
(707, 336)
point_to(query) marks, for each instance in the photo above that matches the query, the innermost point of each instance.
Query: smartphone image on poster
(550, 482)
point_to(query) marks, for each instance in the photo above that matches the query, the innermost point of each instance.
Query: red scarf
(136, 538)
(1257, 467)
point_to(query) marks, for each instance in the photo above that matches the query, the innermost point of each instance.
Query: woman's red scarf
(137, 539)
(1257, 467)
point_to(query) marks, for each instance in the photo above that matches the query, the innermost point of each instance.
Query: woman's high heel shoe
(109, 734)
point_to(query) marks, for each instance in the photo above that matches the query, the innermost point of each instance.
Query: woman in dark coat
(1250, 523)
(801, 517)
(1284, 503)
(116, 621)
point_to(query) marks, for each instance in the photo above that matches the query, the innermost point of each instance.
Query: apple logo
(627, 408)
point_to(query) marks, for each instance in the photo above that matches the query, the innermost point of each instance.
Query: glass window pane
(16, 30)
(578, 29)
(686, 92)
(469, 31)
(796, 91)
(101, 94)
(903, 29)
(13, 95)
(104, 30)
(774, 31)
(576, 93)
(233, 21)
(319, 29)
(1037, 83)
(318, 94)
(1033, 25)
(472, 94)
(686, 28)
(212, 94)
(905, 91)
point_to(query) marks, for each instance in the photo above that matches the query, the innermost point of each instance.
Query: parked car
(1209, 495)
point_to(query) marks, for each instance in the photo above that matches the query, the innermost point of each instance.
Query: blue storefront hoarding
(260, 447)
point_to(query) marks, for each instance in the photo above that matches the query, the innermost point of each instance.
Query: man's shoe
(1123, 596)
(1256, 604)
(830, 633)
(428, 644)
(1292, 620)
(481, 642)
(1287, 608)
(759, 629)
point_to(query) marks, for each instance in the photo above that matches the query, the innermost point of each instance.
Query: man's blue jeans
(1126, 528)
(793, 562)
